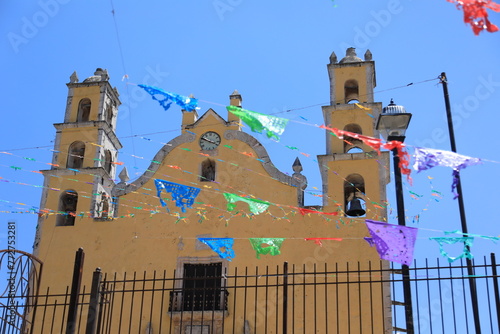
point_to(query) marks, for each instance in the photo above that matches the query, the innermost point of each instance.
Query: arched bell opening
(84, 110)
(67, 208)
(353, 145)
(76, 153)
(108, 115)
(354, 196)
(351, 90)
(108, 161)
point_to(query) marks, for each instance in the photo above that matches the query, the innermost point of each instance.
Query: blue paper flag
(166, 98)
(183, 196)
(222, 246)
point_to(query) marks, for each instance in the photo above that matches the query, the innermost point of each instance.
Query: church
(172, 220)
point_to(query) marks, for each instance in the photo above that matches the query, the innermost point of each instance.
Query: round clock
(209, 140)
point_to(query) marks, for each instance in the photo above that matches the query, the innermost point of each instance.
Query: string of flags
(274, 126)
(377, 144)
(384, 237)
(393, 243)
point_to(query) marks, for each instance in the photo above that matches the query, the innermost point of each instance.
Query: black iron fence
(364, 298)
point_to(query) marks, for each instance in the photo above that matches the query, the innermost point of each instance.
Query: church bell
(354, 208)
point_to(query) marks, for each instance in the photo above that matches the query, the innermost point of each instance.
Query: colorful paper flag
(166, 98)
(183, 195)
(393, 242)
(427, 158)
(452, 240)
(266, 245)
(476, 15)
(222, 246)
(318, 241)
(256, 206)
(272, 125)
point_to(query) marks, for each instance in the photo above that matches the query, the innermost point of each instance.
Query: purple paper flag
(426, 158)
(393, 242)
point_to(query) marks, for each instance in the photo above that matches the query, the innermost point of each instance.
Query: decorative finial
(350, 56)
(73, 78)
(235, 95)
(124, 175)
(333, 58)
(102, 73)
(351, 52)
(368, 55)
(297, 166)
(235, 99)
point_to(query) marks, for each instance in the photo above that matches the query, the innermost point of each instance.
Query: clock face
(209, 140)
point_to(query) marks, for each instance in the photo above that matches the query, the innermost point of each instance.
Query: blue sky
(275, 53)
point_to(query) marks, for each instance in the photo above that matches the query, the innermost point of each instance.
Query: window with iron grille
(202, 290)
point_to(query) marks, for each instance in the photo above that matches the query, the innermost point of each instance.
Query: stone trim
(179, 270)
(122, 189)
(109, 88)
(384, 174)
(95, 171)
(103, 125)
(205, 115)
(264, 156)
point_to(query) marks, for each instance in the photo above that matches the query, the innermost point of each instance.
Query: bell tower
(85, 156)
(354, 175)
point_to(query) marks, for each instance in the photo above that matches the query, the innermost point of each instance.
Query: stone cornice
(93, 171)
(122, 188)
(101, 125)
(263, 157)
(110, 89)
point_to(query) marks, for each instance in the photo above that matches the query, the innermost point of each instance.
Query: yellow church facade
(123, 227)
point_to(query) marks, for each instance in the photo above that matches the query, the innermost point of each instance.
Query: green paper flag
(274, 126)
(266, 245)
(256, 206)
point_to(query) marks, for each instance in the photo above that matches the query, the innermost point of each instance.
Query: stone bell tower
(353, 174)
(84, 161)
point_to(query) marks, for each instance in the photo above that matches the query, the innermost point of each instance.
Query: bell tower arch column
(354, 175)
(84, 161)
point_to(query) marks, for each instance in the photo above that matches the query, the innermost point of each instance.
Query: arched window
(105, 208)
(67, 208)
(105, 205)
(109, 115)
(354, 194)
(84, 110)
(76, 153)
(108, 161)
(353, 145)
(351, 90)
(207, 171)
